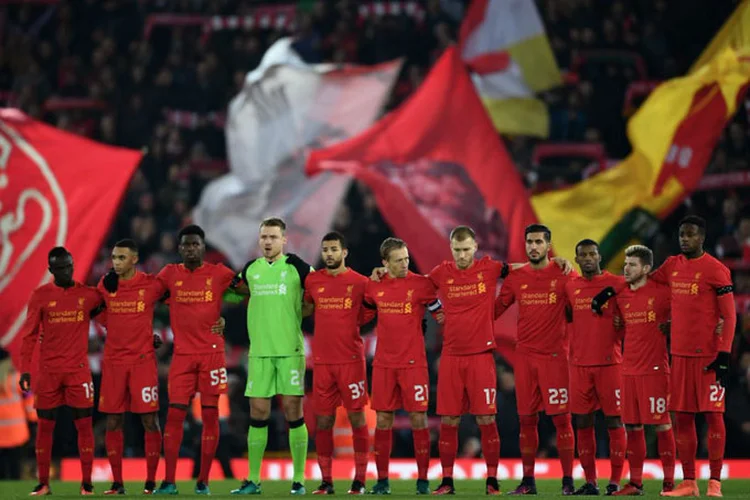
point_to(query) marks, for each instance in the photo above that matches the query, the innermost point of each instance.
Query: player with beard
(644, 306)
(595, 366)
(335, 294)
(60, 313)
(541, 367)
(276, 360)
(703, 323)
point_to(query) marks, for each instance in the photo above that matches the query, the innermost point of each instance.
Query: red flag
(56, 188)
(435, 163)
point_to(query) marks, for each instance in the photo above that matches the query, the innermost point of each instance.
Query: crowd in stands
(158, 74)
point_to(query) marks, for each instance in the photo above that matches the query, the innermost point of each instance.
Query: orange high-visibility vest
(14, 427)
(343, 439)
(224, 410)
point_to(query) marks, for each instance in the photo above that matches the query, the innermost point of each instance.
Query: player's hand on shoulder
(25, 382)
(601, 298)
(158, 342)
(564, 264)
(720, 366)
(218, 327)
(111, 281)
(378, 273)
(665, 327)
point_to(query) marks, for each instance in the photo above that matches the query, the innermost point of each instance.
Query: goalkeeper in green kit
(276, 363)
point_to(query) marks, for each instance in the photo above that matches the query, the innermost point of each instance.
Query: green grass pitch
(280, 489)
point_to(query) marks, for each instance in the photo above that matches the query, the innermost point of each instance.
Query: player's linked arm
(302, 267)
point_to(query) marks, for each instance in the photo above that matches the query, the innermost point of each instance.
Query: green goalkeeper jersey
(274, 312)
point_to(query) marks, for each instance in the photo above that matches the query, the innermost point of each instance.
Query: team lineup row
(570, 354)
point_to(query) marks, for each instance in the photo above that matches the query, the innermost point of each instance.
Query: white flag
(286, 108)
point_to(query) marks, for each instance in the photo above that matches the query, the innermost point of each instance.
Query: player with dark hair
(130, 380)
(276, 360)
(334, 295)
(195, 292)
(595, 366)
(61, 312)
(703, 324)
(399, 376)
(644, 306)
(541, 367)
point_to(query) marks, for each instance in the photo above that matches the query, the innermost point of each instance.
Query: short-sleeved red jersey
(467, 296)
(195, 305)
(645, 345)
(338, 313)
(540, 294)
(401, 304)
(130, 317)
(593, 338)
(63, 316)
(695, 306)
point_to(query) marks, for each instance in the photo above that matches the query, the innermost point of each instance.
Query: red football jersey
(63, 316)
(130, 317)
(645, 345)
(338, 311)
(593, 338)
(695, 308)
(467, 296)
(541, 308)
(401, 304)
(195, 305)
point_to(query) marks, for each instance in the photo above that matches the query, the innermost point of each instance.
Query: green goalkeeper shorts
(267, 377)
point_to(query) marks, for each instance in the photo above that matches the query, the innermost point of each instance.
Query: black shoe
(115, 489)
(446, 487)
(527, 487)
(612, 489)
(325, 488)
(587, 489)
(357, 488)
(149, 487)
(87, 489)
(492, 487)
(568, 488)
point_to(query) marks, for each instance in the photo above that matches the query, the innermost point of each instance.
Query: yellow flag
(673, 135)
(735, 34)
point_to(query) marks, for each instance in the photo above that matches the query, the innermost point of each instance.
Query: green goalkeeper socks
(257, 438)
(298, 446)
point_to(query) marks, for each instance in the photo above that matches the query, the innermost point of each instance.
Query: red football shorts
(132, 387)
(191, 373)
(467, 384)
(645, 399)
(396, 388)
(595, 387)
(74, 389)
(334, 385)
(541, 384)
(694, 389)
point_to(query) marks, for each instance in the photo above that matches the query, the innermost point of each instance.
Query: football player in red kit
(541, 367)
(703, 324)
(61, 312)
(595, 367)
(335, 294)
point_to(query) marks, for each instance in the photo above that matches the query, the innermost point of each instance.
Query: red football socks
(529, 441)
(209, 440)
(717, 437)
(687, 443)
(324, 449)
(636, 455)
(618, 443)
(85, 430)
(448, 448)
(566, 442)
(666, 445)
(383, 443)
(587, 453)
(44, 434)
(153, 453)
(361, 438)
(490, 447)
(172, 441)
(422, 451)
(115, 444)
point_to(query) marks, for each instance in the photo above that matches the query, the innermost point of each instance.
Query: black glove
(505, 271)
(601, 298)
(720, 365)
(25, 382)
(111, 281)
(157, 341)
